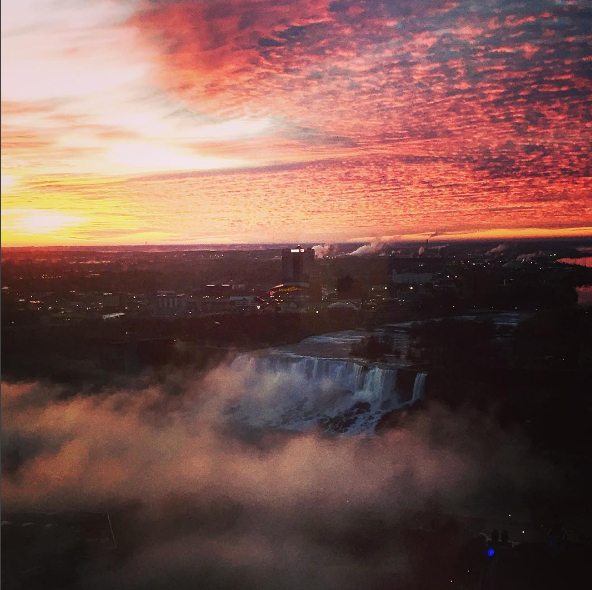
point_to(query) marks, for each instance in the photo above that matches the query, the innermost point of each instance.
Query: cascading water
(418, 387)
(298, 392)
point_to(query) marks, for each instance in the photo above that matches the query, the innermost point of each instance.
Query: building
(218, 289)
(297, 264)
(234, 304)
(170, 304)
(414, 271)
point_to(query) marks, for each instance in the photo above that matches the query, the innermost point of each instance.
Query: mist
(213, 500)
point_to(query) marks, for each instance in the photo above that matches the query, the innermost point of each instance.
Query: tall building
(297, 264)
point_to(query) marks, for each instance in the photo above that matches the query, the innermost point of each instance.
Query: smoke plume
(499, 249)
(375, 247)
(322, 250)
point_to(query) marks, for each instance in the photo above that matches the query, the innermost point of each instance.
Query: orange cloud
(409, 115)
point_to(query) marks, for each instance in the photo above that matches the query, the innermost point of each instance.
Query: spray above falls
(346, 396)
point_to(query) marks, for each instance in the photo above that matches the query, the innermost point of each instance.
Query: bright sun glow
(7, 181)
(36, 222)
(114, 112)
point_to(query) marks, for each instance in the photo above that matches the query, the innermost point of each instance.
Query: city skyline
(125, 122)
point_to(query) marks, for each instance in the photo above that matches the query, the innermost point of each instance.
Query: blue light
(490, 552)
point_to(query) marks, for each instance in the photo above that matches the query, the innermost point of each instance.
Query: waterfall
(287, 390)
(418, 387)
(367, 381)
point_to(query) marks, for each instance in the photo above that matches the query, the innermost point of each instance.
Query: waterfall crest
(342, 395)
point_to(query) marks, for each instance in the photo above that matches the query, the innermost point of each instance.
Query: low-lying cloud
(221, 505)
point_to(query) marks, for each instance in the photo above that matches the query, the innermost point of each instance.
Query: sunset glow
(207, 121)
(34, 223)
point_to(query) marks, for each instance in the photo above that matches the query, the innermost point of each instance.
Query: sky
(206, 121)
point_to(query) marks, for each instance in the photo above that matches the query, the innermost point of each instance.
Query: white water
(297, 392)
(418, 387)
